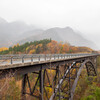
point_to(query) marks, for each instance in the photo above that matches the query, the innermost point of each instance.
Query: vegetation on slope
(88, 88)
(3, 49)
(46, 46)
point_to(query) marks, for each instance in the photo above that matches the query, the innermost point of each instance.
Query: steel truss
(56, 82)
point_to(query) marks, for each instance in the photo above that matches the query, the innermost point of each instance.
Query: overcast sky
(81, 15)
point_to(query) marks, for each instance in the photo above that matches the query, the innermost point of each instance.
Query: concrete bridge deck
(35, 59)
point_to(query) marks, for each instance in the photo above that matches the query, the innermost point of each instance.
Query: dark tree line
(22, 48)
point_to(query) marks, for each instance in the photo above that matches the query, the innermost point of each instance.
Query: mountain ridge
(66, 34)
(19, 32)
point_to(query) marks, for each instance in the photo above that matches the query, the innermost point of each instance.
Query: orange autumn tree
(65, 48)
(53, 47)
(85, 49)
(74, 49)
(3, 49)
(44, 47)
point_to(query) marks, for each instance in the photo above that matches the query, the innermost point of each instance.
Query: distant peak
(55, 28)
(2, 21)
(69, 28)
(18, 22)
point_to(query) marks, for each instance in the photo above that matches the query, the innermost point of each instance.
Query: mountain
(11, 32)
(19, 32)
(66, 34)
(2, 21)
(31, 33)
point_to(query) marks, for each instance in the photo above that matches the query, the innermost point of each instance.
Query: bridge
(58, 72)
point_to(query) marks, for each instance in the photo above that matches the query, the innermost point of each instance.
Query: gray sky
(81, 15)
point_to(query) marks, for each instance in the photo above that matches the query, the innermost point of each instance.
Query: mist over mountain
(66, 34)
(32, 33)
(11, 32)
(20, 32)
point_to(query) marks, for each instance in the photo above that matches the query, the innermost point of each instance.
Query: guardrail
(16, 58)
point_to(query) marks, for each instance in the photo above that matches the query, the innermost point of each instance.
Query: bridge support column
(59, 81)
(41, 84)
(96, 64)
(23, 97)
(69, 83)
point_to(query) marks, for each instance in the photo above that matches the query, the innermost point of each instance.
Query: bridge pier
(41, 84)
(23, 97)
(25, 81)
(59, 82)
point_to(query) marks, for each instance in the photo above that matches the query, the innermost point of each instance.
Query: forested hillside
(12, 86)
(46, 46)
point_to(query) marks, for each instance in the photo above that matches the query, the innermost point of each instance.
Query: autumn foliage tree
(46, 46)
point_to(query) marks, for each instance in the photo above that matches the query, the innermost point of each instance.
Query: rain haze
(49, 49)
(81, 15)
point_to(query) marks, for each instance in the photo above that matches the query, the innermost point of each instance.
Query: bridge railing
(16, 58)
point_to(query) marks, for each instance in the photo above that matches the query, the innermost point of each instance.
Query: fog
(81, 15)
